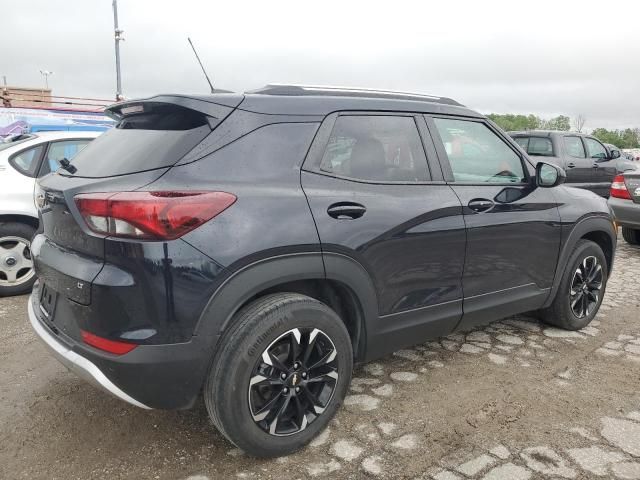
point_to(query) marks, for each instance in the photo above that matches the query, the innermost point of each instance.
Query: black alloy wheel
(293, 381)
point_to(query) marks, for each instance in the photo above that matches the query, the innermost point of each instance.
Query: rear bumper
(627, 212)
(78, 364)
(168, 376)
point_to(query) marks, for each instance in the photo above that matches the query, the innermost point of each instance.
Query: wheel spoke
(301, 417)
(274, 424)
(327, 358)
(311, 343)
(585, 305)
(313, 400)
(26, 263)
(294, 345)
(268, 407)
(594, 273)
(323, 377)
(260, 379)
(272, 360)
(12, 275)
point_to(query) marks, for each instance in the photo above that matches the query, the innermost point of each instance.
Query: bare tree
(578, 122)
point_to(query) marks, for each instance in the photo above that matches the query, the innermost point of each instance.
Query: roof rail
(312, 90)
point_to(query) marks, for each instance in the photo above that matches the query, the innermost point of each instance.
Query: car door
(604, 169)
(513, 228)
(578, 166)
(376, 199)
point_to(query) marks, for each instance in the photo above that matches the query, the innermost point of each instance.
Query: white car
(23, 160)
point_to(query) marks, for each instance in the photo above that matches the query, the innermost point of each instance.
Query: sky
(542, 57)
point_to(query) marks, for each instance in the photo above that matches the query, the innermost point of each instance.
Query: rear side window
(477, 155)
(540, 146)
(574, 147)
(536, 146)
(26, 161)
(376, 148)
(148, 140)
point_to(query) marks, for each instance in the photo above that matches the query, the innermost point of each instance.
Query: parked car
(625, 203)
(252, 247)
(587, 162)
(625, 157)
(23, 159)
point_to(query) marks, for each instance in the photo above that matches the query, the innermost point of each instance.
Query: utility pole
(118, 38)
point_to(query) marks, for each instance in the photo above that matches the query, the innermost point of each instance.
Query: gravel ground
(514, 400)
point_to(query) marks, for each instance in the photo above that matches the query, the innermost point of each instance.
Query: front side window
(596, 149)
(574, 147)
(477, 154)
(26, 162)
(59, 150)
(375, 148)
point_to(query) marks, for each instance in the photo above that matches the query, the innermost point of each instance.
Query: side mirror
(615, 154)
(549, 175)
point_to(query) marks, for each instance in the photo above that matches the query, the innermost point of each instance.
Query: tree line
(627, 138)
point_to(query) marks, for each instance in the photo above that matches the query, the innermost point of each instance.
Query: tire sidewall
(240, 357)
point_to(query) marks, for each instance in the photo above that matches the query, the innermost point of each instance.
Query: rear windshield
(155, 138)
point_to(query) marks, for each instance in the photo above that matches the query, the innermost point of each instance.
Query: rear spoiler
(217, 106)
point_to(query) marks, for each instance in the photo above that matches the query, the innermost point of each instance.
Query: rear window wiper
(66, 164)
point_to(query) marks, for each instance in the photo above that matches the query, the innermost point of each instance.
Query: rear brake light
(111, 346)
(164, 215)
(619, 188)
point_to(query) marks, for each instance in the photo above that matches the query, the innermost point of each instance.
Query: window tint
(377, 148)
(523, 142)
(540, 146)
(574, 147)
(596, 149)
(477, 154)
(59, 150)
(27, 161)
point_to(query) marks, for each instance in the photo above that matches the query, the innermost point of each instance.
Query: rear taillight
(619, 188)
(164, 215)
(111, 346)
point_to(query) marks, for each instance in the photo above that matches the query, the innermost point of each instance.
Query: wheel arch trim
(265, 273)
(585, 226)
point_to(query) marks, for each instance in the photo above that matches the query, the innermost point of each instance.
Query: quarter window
(376, 148)
(477, 154)
(26, 162)
(595, 148)
(574, 147)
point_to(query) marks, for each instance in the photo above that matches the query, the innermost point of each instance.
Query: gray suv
(589, 163)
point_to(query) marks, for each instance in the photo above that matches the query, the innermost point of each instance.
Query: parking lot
(513, 400)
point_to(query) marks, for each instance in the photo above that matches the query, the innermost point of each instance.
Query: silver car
(624, 200)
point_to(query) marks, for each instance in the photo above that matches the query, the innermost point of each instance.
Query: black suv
(588, 163)
(252, 247)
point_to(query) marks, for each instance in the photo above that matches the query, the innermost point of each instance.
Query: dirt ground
(514, 400)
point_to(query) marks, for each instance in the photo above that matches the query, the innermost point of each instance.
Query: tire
(631, 235)
(561, 313)
(234, 392)
(16, 267)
